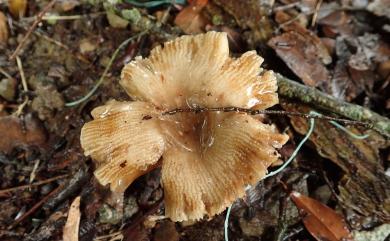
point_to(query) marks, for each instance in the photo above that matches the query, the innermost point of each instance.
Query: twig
(269, 112)
(286, 7)
(114, 234)
(317, 9)
(32, 28)
(22, 76)
(71, 186)
(24, 84)
(12, 189)
(35, 207)
(34, 170)
(100, 81)
(5, 73)
(309, 95)
(65, 17)
(290, 20)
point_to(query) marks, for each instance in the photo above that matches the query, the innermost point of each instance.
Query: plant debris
(321, 221)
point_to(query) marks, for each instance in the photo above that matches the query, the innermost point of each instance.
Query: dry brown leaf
(71, 229)
(190, 19)
(312, 39)
(3, 29)
(18, 132)
(321, 221)
(301, 56)
(17, 7)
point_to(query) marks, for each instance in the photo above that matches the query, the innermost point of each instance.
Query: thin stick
(108, 236)
(286, 7)
(314, 19)
(35, 207)
(100, 81)
(32, 28)
(13, 189)
(24, 84)
(21, 71)
(64, 17)
(269, 112)
(309, 95)
(5, 73)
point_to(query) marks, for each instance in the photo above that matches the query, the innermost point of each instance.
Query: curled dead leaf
(20, 132)
(71, 229)
(321, 221)
(301, 56)
(190, 19)
(311, 38)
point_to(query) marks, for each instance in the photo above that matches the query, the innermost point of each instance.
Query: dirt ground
(53, 53)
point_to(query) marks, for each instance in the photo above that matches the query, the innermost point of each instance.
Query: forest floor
(52, 53)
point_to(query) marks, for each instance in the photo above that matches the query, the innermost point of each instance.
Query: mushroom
(207, 158)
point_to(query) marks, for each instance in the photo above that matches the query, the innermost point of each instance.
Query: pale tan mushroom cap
(197, 70)
(237, 153)
(124, 139)
(207, 159)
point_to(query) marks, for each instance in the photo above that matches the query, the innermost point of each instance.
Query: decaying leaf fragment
(320, 220)
(299, 52)
(71, 229)
(190, 19)
(207, 158)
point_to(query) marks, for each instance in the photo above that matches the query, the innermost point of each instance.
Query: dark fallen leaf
(334, 21)
(370, 49)
(287, 24)
(190, 19)
(354, 69)
(138, 232)
(166, 231)
(250, 14)
(301, 56)
(17, 132)
(365, 187)
(321, 221)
